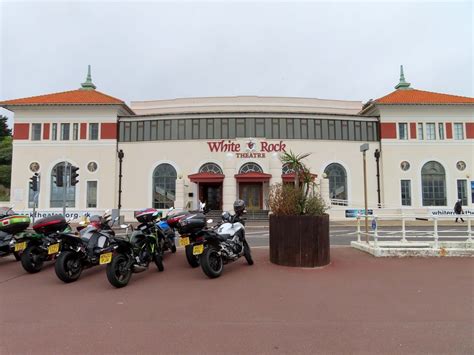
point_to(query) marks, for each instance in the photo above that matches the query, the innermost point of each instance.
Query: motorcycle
(223, 243)
(12, 227)
(44, 243)
(134, 254)
(168, 226)
(92, 247)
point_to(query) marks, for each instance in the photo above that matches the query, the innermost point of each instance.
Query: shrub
(299, 198)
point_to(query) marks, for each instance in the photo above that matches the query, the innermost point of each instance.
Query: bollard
(376, 234)
(358, 228)
(435, 234)
(404, 234)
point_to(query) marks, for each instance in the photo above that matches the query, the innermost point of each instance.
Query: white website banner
(72, 214)
(442, 212)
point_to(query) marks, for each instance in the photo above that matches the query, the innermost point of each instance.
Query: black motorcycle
(222, 243)
(92, 247)
(44, 244)
(134, 254)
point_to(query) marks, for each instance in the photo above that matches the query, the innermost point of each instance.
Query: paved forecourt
(357, 304)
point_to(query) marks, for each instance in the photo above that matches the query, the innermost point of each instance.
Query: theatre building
(179, 152)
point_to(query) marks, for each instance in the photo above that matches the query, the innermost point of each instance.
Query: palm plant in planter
(299, 226)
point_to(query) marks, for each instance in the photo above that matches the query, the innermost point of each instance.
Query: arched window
(337, 181)
(433, 184)
(250, 168)
(286, 169)
(164, 186)
(63, 172)
(210, 168)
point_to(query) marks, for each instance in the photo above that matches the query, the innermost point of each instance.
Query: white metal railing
(433, 233)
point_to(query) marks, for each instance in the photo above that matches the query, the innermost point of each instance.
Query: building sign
(443, 212)
(250, 149)
(352, 213)
(76, 214)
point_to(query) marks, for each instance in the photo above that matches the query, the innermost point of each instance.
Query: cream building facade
(179, 152)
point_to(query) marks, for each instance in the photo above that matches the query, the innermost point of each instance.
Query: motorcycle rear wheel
(68, 267)
(32, 259)
(192, 259)
(211, 263)
(117, 271)
(247, 253)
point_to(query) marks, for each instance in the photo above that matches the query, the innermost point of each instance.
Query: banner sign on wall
(352, 213)
(249, 149)
(449, 211)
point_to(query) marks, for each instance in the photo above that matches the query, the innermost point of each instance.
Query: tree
(4, 130)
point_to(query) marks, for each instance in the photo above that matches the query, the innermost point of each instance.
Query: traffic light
(74, 175)
(59, 176)
(34, 182)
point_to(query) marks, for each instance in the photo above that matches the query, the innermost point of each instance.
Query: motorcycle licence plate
(184, 241)
(20, 246)
(53, 249)
(105, 258)
(198, 249)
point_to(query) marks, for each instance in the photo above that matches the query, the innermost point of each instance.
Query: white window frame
(458, 124)
(428, 137)
(87, 191)
(401, 124)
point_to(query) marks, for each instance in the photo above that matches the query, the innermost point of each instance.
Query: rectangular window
(275, 128)
(250, 127)
(358, 135)
(167, 129)
(92, 194)
(351, 130)
(403, 131)
(161, 130)
(318, 129)
(282, 127)
(332, 129)
(75, 131)
(231, 128)
(133, 131)
(406, 192)
(441, 130)
(324, 129)
(121, 132)
(54, 131)
(174, 129)
(268, 128)
(430, 131)
(345, 131)
(290, 128)
(338, 129)
(260, 127)
(240, 123)
(311, 129)
(420, 131)
(127, 129)
(225, 128)
(217, 128)
(459, 131)
(36, 132)
(210, 128)
(147, 135)
(181, 129)
(370, 131)
(304, 129)
(189, 129)
(363, 130)
(297, 128)
(140, 130)
(65, 127)
(202, 128)
(94, 132)
(462, 191)
(195, 129)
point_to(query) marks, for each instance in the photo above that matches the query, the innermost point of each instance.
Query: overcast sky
(160, 50)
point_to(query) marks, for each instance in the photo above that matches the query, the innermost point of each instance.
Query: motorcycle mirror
(210, 221)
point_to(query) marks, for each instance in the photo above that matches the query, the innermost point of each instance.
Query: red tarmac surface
(358, 304)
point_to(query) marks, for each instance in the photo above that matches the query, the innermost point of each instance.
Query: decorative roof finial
(402, 85)
(88, 84)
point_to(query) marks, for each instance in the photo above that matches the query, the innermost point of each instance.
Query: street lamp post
(377, 158)
(120, 156)
(364, 148)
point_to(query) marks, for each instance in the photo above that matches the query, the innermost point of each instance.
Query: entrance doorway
(211, 193)
(252, 194)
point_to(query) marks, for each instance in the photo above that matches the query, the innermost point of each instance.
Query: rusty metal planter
(301, 241)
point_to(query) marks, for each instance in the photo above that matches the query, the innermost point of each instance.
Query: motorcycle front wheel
(68, 267)
(247, 253)
(32, 259)
(192, 259)
(211, 263)
(118, 272)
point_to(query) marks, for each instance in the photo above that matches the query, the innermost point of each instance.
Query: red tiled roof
(67, 97)
(412, 96)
